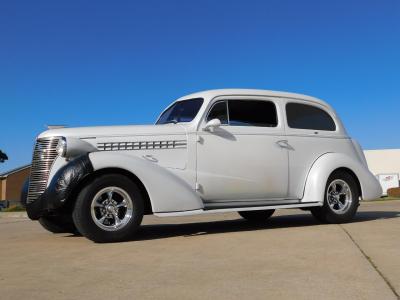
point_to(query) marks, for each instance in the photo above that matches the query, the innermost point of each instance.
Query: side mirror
(212, 124)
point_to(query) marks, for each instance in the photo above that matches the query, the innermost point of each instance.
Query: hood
(114, 131)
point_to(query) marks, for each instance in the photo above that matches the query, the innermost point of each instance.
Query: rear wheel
(109, 209)
(257, 216)
(58, 224)
(341, 199)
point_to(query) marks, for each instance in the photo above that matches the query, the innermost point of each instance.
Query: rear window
(303, 116)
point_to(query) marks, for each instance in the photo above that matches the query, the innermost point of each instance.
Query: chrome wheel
(111, 208)
(339, 196)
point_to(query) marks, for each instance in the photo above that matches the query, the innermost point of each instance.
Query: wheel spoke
(344, 191)
(101, 220)
(340, 204)
(122, 204)
(97, 204)
(110, 195)
(116, 219)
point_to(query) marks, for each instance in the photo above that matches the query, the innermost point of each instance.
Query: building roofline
(12, 171)
(383, 149)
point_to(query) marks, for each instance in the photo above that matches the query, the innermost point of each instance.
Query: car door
(311, 131)
(245, 158)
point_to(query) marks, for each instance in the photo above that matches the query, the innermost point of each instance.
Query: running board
(234, 209)
(208, 205)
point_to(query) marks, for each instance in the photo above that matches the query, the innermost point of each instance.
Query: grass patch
(13, 208)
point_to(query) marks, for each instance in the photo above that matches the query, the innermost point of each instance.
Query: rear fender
(324, 166)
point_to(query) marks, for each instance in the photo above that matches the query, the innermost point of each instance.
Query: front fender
(55, 197)
(167, 192)
(324, 166)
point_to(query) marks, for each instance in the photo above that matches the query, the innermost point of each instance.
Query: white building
(386, 164)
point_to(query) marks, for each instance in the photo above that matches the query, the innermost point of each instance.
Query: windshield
(181, 111)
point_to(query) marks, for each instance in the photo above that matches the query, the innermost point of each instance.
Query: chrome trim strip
(141, 145)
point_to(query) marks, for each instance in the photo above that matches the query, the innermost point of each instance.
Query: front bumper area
(43, 206)
(58, 193)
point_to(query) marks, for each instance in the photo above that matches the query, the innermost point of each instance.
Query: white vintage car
(249, 151)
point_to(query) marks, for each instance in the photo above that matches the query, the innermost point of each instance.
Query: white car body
(187, 169)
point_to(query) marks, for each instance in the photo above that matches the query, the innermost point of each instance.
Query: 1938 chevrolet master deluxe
(250, 151)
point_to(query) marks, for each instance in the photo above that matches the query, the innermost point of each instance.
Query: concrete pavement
(217, 256)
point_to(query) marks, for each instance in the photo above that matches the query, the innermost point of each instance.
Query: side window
(252, 113)
(304, 116)
(219, 111)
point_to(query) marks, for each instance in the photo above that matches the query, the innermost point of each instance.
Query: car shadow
(161, 231)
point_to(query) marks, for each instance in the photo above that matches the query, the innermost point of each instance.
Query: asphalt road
(216, 256)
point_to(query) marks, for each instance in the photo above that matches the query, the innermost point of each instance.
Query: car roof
(210, 94)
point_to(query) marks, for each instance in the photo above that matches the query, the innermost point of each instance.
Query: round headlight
(62, 147)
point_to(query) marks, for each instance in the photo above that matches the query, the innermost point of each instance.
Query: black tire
(58, 224)
(326, 214)
(257, 216)
(82, 211)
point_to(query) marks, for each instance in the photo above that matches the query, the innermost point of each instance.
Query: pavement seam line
(385, 279)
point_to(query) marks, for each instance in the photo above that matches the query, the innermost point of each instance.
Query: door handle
(284, 144)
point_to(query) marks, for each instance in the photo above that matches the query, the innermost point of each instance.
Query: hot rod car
(249, 151)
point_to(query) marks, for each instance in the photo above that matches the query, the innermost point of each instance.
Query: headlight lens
(62, 147)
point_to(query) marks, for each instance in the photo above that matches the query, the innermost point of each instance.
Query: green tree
(3, 156)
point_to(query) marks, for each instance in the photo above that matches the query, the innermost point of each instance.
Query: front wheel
(257, 216)
(109, 209)
(341, 199)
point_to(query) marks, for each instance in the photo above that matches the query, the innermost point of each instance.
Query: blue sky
(97, 62)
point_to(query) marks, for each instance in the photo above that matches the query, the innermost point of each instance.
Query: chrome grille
(44, 154)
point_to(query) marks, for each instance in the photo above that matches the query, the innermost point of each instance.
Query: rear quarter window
(303, 116)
